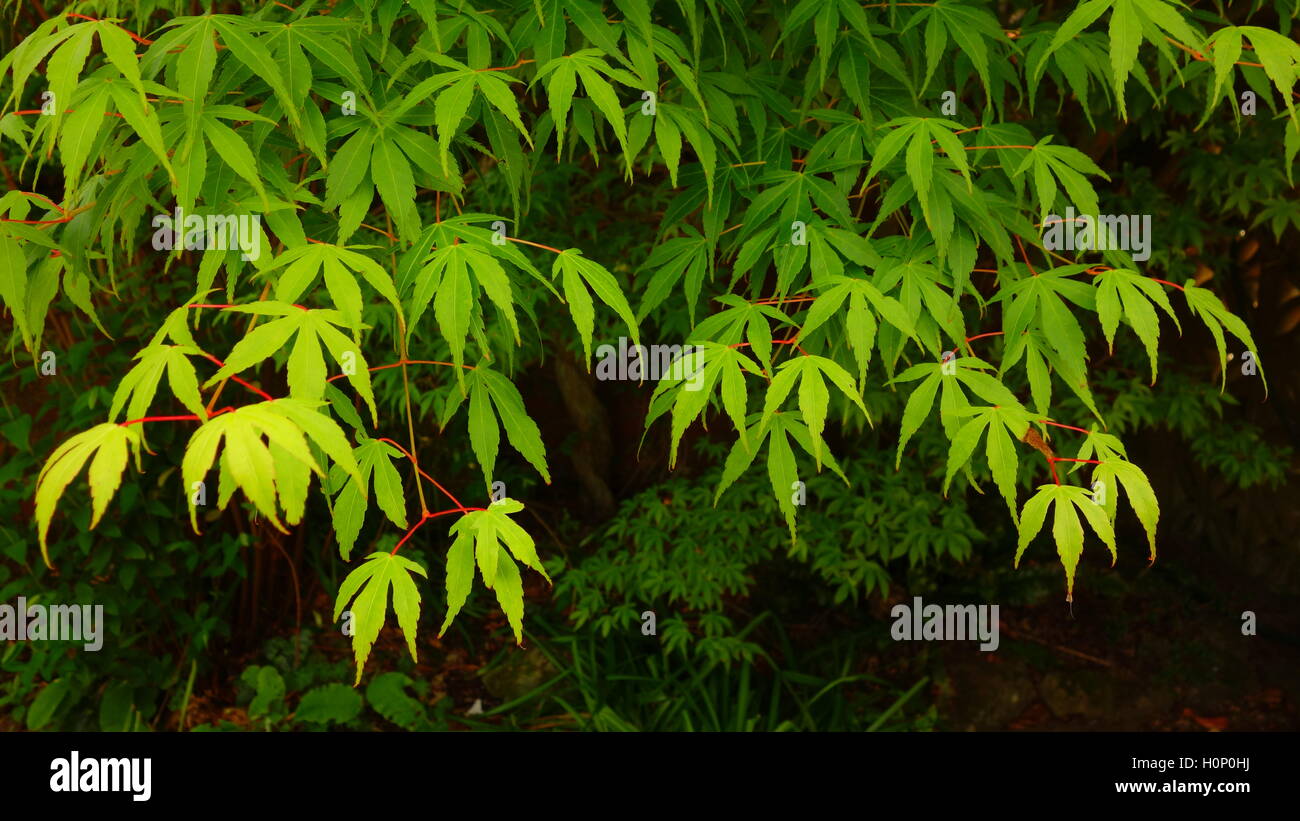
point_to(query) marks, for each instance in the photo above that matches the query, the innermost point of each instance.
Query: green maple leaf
(108, 443)
(577, 275)
(1210, 308)
(1067, 531)
(489, 391)
(370, 584)
(141, 382)
(1135, 293)
(1114, 474)
(489, 538)
(307, 373)
(251, 464)
(814, 397)
(304, 264)
(375, 465)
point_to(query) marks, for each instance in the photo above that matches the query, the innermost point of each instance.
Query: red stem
(433, 481)
(268, 397)
(1067, 427)
(408, 362)
(409, 534)
(774, 301)
(426, 517)
(1026, 256)
(129, 33)
(189, 417)
(774, 342)
(535, 245)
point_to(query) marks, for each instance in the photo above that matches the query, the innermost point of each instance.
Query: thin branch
(535, 245)
(426, 517)
(408, 362)
(521, 62)
(268, 397)
(1067, 427)
(429, 478)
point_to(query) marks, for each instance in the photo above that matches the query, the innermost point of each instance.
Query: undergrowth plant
(853, 200)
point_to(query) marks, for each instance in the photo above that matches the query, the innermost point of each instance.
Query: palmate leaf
(561, 75)
(742, 320)
(467, 229)
(782, 470)
(814, 397)
(453, 278)
(866, 303)
(1042, 360)
(1060, 163)
(577, 274)
(455, 93)
(966, 370)
(1067, 531)
(236, 34)
(303, 264)
(1207, 305)
(247, 462)
(707, 366)
(488, 391)
(1131, 22)
(923, 137)
(489, 538)
(1043, 298)
(829, 18)
(375, 463)
(1077, 64)
(1003, 424)
(108, 442)
(792, 195)
(306, 366)
(370, 584)
(1008, 420)
(1114, 473)
(1104, 445)
(924, 292)
(967, 26)
(1134, 292)
(141, 382)
(691, 256)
